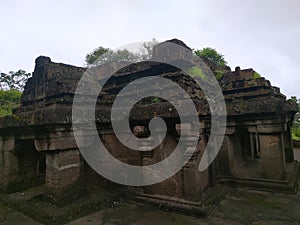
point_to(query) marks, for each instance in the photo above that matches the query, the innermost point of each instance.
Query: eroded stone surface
(9, 216)
(240, 206)
(37, 144)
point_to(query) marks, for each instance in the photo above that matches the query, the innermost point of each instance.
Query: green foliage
(256, 75)
(296, 131)
(156, 100)
(219, 74)
(296, 122)
(91, 57)
(11, 87)
(196, 72)
(102, 55)
(123, 55)
(145, 50)
(296, 134)
(294, 99)
(212, 55)
(9, 99)
(14, 80)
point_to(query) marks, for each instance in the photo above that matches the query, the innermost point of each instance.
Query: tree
(11, 87)
(124, 55)
(146, 49)
(212, 55)
(14, 80)
(90, 58)
(9, 99)
(102, 55)
(294, 99)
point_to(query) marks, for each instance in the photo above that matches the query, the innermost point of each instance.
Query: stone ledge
(34, 204)
(210, 199)
(288, 186)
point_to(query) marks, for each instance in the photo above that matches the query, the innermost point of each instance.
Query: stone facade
(37, 144)
(257, 149)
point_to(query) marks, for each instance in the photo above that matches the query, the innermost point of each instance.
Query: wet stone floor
(239, 206)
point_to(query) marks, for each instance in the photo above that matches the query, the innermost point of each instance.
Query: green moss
(196, 72)
(156, 100)
(260, 200)
(219, 74)
(256, 75)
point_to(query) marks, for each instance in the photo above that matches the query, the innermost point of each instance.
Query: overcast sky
(262, 34)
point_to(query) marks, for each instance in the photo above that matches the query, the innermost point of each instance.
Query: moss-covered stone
(195, 71)
(3, 213)
(256, 75)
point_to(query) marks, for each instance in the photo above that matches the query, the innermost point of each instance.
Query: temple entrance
(31, 165)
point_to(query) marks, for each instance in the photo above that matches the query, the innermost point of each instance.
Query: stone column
(63, 164)
(9, 169)
(146, 150)
(171, 186)
(254, 142)
(225, 158)
(63, 173)
(272, 152)
(194, 182)
(288, 143)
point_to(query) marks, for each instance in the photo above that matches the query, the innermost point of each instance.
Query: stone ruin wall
(37, 143)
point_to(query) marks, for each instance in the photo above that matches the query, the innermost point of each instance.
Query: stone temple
(37, 145)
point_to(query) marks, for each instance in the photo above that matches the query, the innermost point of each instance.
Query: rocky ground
(240, 206)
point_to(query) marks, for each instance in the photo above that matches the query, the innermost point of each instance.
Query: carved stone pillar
(63, 173)
(194, 182)
(288, 143)
(8, 163)
(146, 149)
(226, 155)
(272, 152)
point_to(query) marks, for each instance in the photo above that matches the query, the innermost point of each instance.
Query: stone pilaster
(9, 168)
(194, 181)
(272, 152)
(63, 173)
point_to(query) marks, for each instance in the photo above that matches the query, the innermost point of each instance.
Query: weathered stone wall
(21, 165)
(257, 145)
